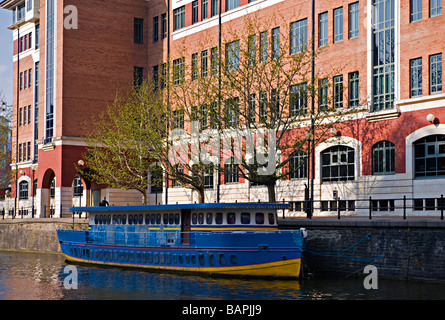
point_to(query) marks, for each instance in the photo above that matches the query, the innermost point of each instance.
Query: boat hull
(246, 254)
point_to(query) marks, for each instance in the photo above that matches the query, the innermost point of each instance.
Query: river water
(43, 276)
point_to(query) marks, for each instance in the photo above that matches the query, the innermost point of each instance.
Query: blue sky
(6, 55)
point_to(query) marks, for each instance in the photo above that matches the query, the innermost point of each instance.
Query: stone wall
(34, 234)
(404, 249)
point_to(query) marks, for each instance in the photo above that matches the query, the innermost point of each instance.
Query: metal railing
(374, 207)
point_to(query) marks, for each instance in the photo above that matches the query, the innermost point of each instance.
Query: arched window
(78, 187)
(429, 154)
(298, 165)
(383, 158)
(337, 164)
(23, 190)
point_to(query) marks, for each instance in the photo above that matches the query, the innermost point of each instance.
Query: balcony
(22, 11)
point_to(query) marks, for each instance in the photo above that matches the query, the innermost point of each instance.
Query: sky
(6, 55)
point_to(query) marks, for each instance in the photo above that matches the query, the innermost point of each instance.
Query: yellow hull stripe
(285, 268)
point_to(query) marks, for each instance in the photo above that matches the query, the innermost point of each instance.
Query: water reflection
(37, 276)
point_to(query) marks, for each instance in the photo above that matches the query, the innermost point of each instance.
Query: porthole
(211, 259)
(201, 259)
(221, 259)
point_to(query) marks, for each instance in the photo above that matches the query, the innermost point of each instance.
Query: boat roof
(231, 205)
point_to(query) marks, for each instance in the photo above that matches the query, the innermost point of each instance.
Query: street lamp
(80, 163)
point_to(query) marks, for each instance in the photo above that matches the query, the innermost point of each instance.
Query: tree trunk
(201, 195)
(271, 191)
(144, 197)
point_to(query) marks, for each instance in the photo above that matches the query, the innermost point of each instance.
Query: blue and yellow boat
(220, 238)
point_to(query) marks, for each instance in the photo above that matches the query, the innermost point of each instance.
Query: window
(263, 46)
(155, 77)
(49, 65)
(204, 63)
(323, 29)
(195, 11)
(138, 75)
(338, 25)
(429, 154)
(263, 106)
(338, 164)
(156, 179)
(194, 66)
(214, 60)
(416, 77)
(251, 109)
(384, 53)
(232, 55)
(323, 94)
(139, 30)
(245, 217)
(37, 35)
(298, 99)
(214, 9)
(259, 218)
(155, 29)
(78, 187)
(208, 178)
(435, 8)
(204, 9)
(338, 91)
(232, 4)
(25, 79)
(232, 112)
(276, 43)
(416, 10)
(298, 36)
(231, 218)
(436, 73)
(179, 18)
(383, 160)
(353, 89)
(29, 78)
(252, 49)
(298, 165)
(23, 190)
(231, 173)
(163, 26)
(21, 81)
(178, 119)
(353, 20)
(178, 71)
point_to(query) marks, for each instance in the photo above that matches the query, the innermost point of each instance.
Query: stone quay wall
(403, 249)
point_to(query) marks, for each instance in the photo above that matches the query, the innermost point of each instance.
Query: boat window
(171, 218)
(165, 218)
(194, 218)
(135, 219)
(209, 218)
(201, 259)
(193, 259)
(245, 217)
(114, 218)
(152, 218)
(124, 219)
(271, 217)
(259, 218)
(201, 218)
(180, 258)
(130, 219)
(141, 218)
(167, 258)
(219, 218)
(221, 259)
(231, 218)
(149, 257)
(211, 259)
(109, 219)
(147, 219)
(175, 258)
(161, 257)
(187, 258)
(233, 259)
(156, 257)
(158, 218)
(118, 219)
(96, 219)
(177, 218)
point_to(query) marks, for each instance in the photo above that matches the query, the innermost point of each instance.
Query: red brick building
(387, 54)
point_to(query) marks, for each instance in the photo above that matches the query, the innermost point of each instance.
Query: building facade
(70, 57)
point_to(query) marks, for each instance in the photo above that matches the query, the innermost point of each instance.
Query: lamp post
(80, 163)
